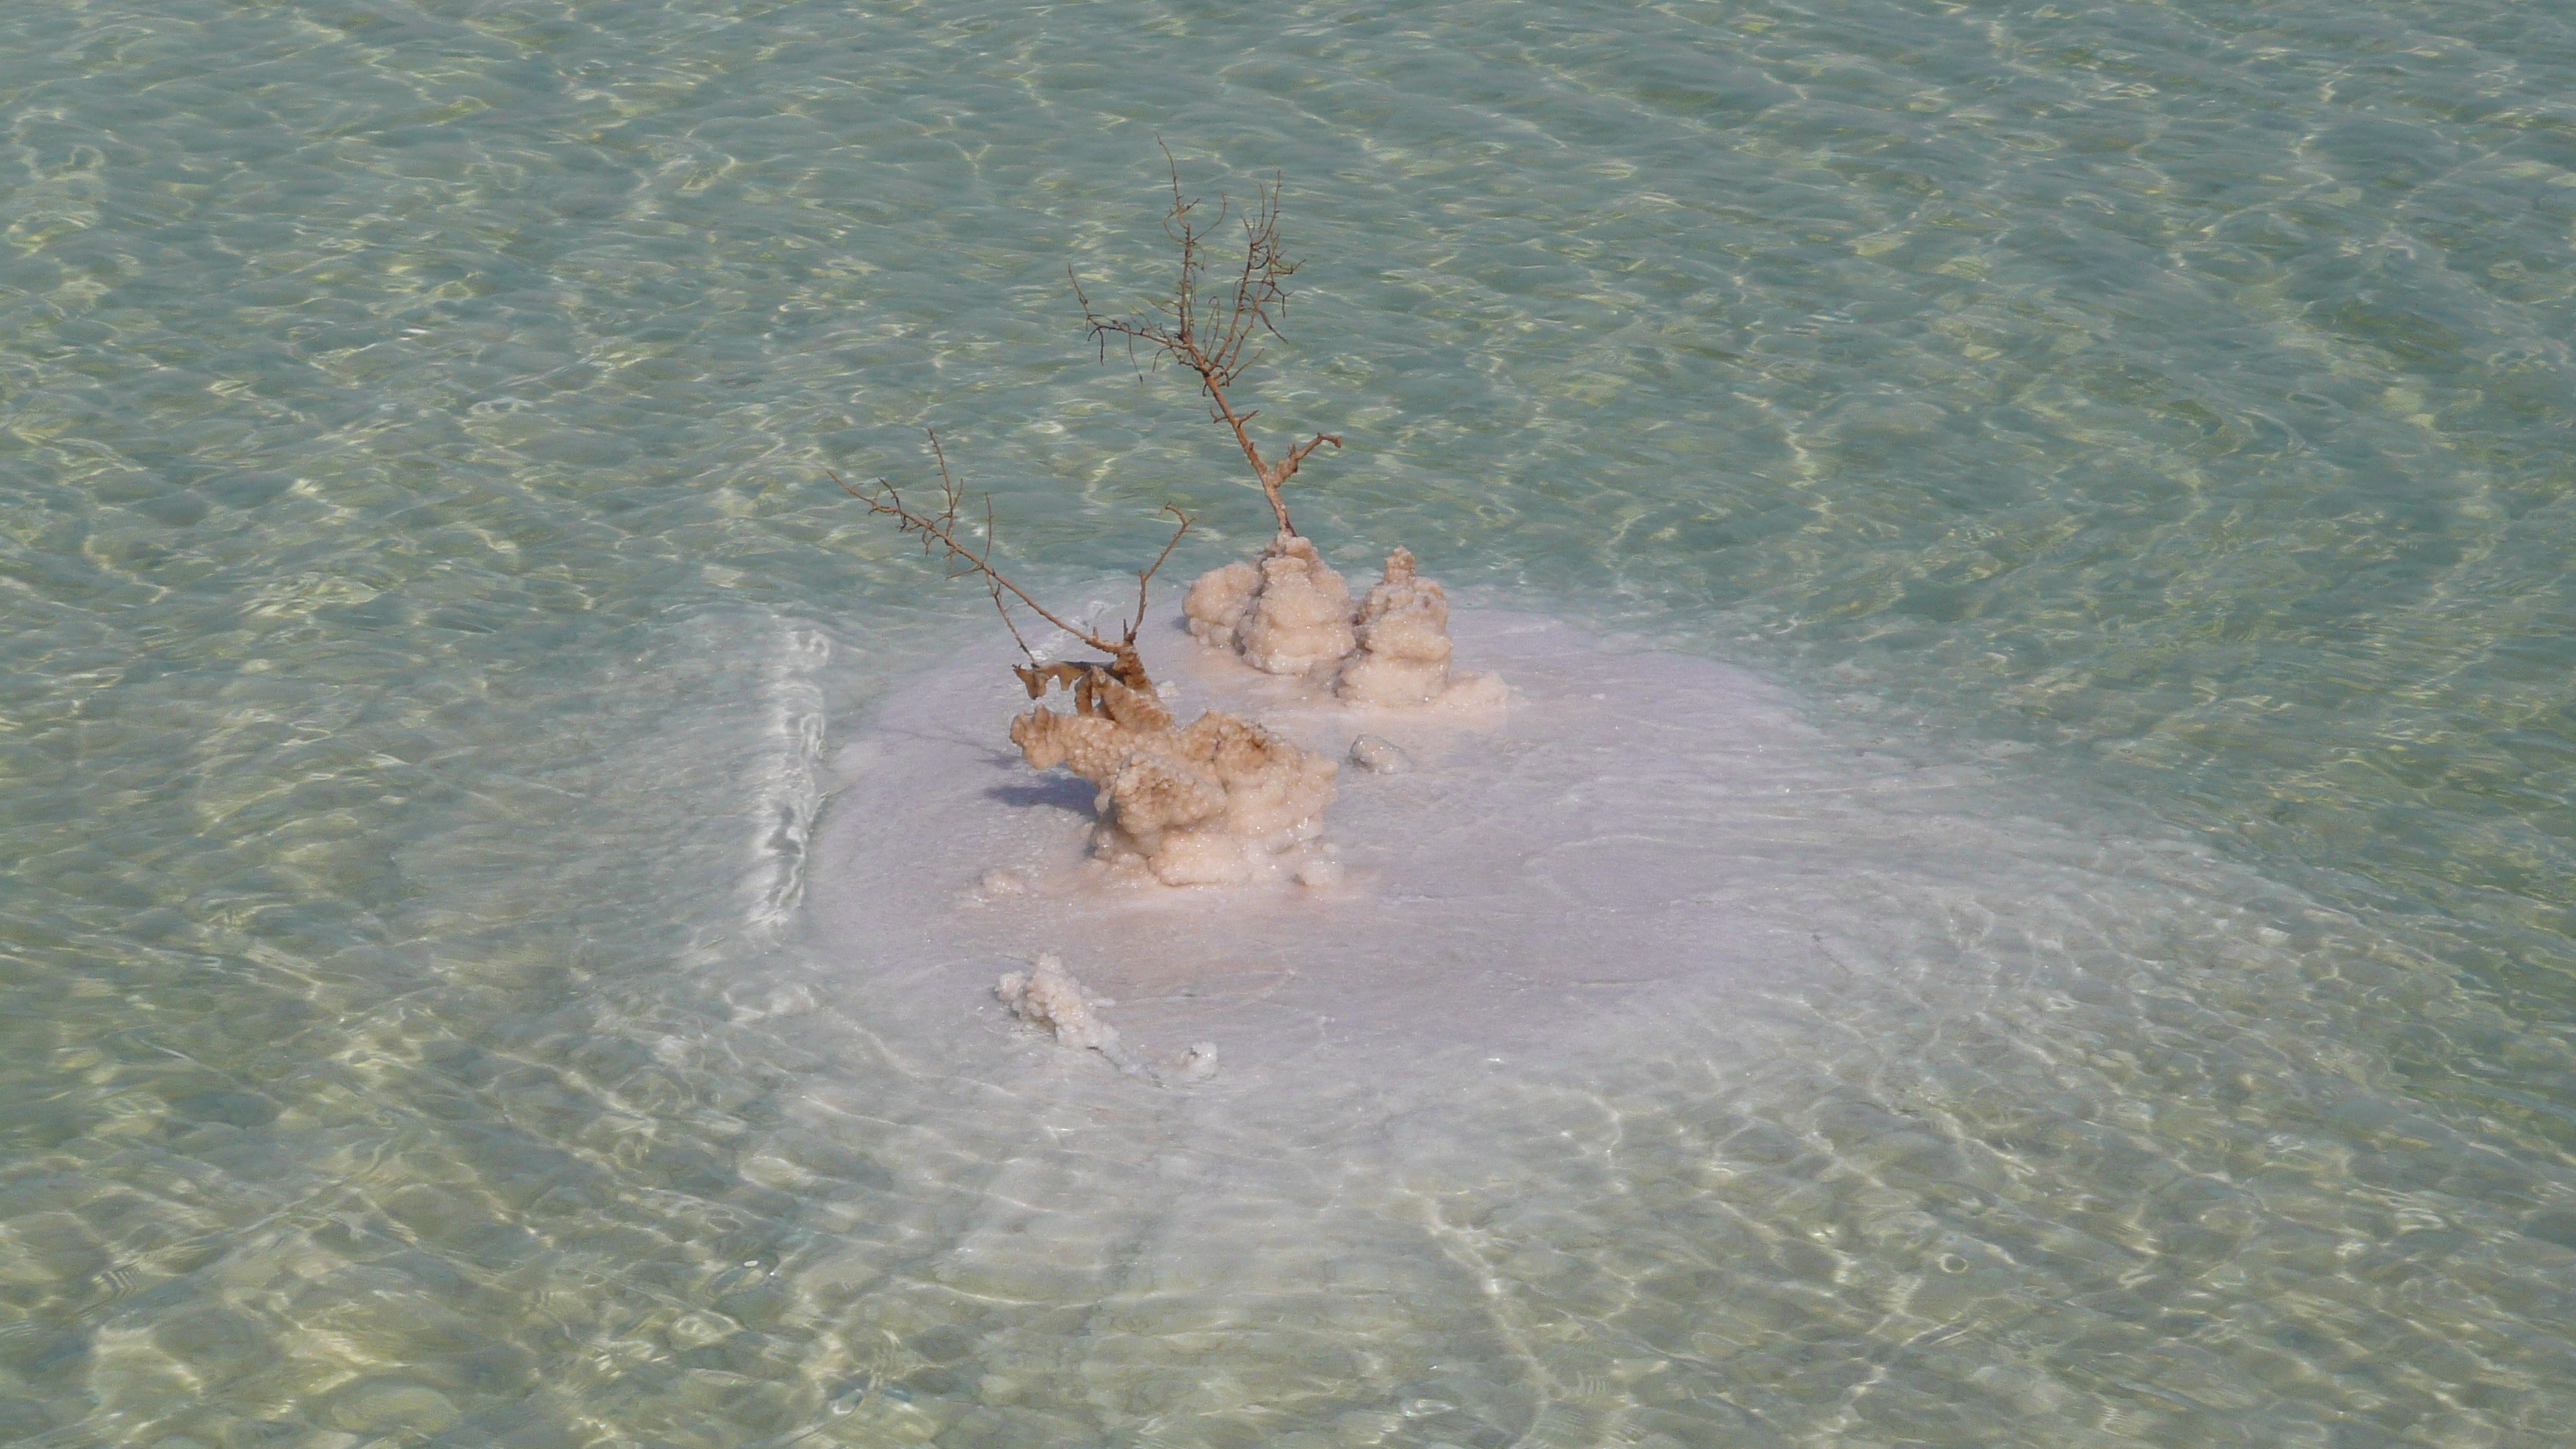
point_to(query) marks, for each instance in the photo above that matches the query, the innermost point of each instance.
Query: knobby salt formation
(1048, 996)
(1285, 614)
(1221, 801)
(1290, 613)
(1401, 640)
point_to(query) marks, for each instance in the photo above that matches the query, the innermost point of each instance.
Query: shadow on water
(1053, 792)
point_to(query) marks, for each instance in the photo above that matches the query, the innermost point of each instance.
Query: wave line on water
(785, 795)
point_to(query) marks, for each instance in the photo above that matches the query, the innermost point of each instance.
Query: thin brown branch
(1145, 575)
(1297, 455)
(941, 534)
(1210, 331)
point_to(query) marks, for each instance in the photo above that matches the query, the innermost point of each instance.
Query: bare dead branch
(1145, 575)
(942, 535)
(1211, 331)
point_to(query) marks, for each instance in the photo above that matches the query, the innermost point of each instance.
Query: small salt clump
(1287, 614)
(1320, 869)
(1402, 639)
(1380, 756)
(1219, 802)
(1048, 996)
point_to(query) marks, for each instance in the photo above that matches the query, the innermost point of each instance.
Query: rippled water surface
(2136, 433)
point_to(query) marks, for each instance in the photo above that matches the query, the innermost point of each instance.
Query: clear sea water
(426, 616)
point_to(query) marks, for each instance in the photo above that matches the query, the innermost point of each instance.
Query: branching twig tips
(1213, 329)
(956, 544)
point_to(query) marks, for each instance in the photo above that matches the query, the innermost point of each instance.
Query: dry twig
(942, 533)
(1215, 330)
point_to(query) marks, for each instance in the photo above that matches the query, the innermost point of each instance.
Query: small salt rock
(1383, 756)
(1003, 883)
(1319, 872)
(1195, 1065)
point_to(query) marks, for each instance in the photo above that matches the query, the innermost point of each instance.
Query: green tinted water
(423, 606)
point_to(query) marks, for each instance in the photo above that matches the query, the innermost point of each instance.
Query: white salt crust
(1562, 863)
(1600, 965)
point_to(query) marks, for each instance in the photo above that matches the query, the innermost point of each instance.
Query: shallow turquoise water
(424, 608)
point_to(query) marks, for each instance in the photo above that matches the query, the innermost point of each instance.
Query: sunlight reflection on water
(426, 622)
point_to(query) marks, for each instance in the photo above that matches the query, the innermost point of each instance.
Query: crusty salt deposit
(1291, 614)
(1221, 801)
(1285, 614)
(1215, 602)
(1047, 996)
(1400, 652)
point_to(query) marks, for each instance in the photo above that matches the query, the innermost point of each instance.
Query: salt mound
(1290, 614)
(1402, 654)
(1215, 603)
(1286, 615)
(1220, 802)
